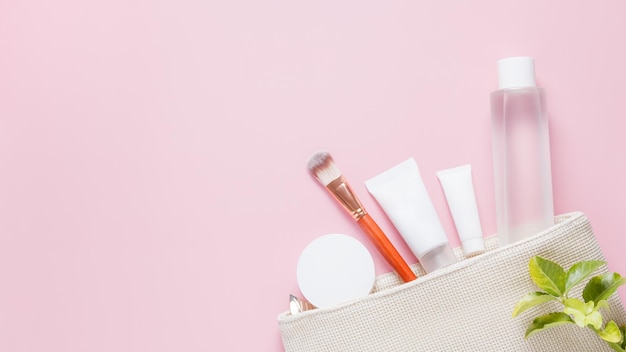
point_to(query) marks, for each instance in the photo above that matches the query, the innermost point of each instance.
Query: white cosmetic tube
(401, 193)
(459, 190)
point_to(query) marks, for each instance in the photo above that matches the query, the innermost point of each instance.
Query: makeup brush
(322, 166)
(298, 305)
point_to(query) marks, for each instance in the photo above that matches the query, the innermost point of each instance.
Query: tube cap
(437, 258)
(516, 72)
(473, 246)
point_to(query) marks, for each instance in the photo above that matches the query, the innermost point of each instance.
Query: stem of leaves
(555, 283)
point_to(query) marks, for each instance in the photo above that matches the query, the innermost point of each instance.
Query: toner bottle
(521, 152)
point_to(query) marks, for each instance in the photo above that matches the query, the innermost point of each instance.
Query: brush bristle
(323, 167)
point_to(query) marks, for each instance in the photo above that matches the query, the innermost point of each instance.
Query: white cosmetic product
(401, 193)
(459, 190)
(335, 269)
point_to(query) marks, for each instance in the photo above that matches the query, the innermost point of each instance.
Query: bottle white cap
(516, 72)
(335, 269)
(473, 246)
(437, 258)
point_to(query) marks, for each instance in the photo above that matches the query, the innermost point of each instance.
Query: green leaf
(602, 304)
(601, 287)
(582, 312)
(579, 271)
(585, 314)
(577, 304)
(611, 333)
(530, 300)
(594, 319)
(548, 321)
(547, 275)
(620, 346)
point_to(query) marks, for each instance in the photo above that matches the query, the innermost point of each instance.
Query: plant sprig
(555, 284)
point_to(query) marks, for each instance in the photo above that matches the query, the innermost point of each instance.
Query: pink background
(153, 188)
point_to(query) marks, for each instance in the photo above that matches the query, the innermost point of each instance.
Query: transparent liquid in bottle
(521, 155)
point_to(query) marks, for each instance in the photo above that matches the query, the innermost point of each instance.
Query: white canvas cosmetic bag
(464, 307)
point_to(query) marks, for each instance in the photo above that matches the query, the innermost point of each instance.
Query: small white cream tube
(459, 190)
(401, 193)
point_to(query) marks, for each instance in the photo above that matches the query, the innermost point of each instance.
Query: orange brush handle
(384, 246)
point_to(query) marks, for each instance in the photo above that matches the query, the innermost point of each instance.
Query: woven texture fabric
(463, 307)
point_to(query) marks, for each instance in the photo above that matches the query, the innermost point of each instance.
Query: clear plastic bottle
(521, 152)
